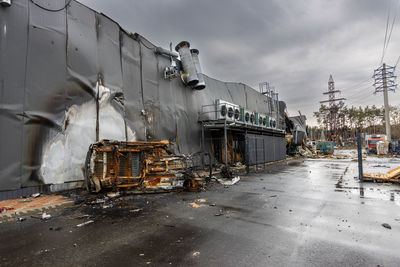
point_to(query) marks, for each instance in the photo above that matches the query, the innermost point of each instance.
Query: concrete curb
(34, 211)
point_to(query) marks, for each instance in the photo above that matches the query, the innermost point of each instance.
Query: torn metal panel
(133, 96)
(141, 165)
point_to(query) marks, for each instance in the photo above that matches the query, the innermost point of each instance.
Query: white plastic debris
(46, 216)
(113, 194)
(85, 223)
(35, 195)
(229, 181)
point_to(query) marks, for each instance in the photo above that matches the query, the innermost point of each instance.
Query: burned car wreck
(141, 166)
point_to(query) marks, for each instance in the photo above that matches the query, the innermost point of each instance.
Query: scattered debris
(25, 200)
(46, 216)
(386, 225)
(58, 228)
(113, 194)
(195, 205)
(201, 200)
(20, 219)
(85, 223)
(195, 254)
(5, 209)
(135, 210)
(229, 181)
(391, 176)
(35, 195)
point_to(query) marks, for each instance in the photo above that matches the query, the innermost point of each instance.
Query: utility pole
(386, 103)
(385, 81)
(333, 109)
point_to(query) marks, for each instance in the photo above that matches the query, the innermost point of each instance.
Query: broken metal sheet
(133, 97)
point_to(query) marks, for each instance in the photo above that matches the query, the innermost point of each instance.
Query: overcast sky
(293, 44)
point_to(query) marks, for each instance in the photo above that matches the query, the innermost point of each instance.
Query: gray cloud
(292, 44)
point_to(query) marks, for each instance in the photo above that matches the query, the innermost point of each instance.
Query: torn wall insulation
(73, 77)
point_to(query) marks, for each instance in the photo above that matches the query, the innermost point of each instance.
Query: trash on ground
(85, 223)
(229, 181)
(195, 205)
(195, 254)
(5, 209)
(25, 200)
(386, 225)
(135, 210)
(35, 195)
(20, 219)
(201, 200)
(46, 216)
(391, 176)
(113, 194)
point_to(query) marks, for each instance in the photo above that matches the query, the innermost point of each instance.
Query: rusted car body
(140, 165)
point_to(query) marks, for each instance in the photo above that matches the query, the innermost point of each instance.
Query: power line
(51, 10)
(361, 90)
(357, 84)
(356, 101)
(384, 41)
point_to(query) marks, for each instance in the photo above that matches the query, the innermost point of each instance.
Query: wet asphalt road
(297, 213)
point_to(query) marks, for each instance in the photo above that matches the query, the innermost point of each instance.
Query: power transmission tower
(333, 109)
(385, 81)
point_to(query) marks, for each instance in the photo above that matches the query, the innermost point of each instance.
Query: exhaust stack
(190, 76)
(195, 56)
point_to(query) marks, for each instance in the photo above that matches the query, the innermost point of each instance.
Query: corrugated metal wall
(51, 101)
(265, 148)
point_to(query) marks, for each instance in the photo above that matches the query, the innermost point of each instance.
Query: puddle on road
(345, 173)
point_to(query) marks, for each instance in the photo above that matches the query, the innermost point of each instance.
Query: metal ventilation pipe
(201, 84)
(163, 51)
(190, 76)
(5, 3)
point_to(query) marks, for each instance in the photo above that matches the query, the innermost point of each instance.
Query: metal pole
(386, 103)
(246, 152)
(255, 150)
(264, 150)
(226, 144)
(202, 145)
(360, 166)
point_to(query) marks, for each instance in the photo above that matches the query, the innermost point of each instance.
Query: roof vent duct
(5, 3)
(195, 56)
(189, 69)
(163, 51)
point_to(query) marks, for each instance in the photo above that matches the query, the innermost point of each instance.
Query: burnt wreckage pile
(142, 166)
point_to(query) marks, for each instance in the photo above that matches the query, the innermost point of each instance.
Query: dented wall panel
(46, 81)
(133, 96)
(71, 77)
(13, 50)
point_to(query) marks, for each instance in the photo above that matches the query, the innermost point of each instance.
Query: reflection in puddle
(372, 193)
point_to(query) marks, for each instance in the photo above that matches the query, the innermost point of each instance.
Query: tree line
(350, 120)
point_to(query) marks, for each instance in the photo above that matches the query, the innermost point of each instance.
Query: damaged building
(74, 77)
